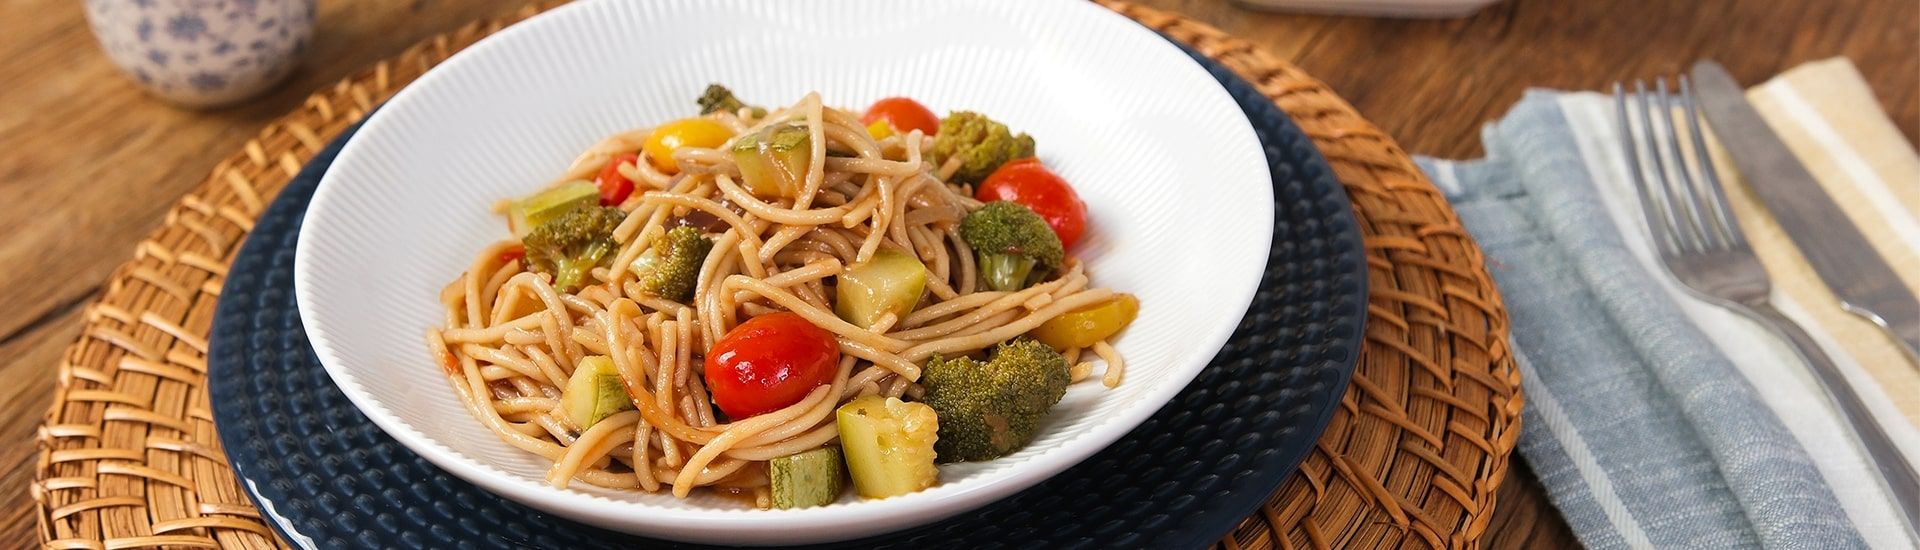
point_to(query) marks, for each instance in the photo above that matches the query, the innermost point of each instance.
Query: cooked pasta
(774, 211)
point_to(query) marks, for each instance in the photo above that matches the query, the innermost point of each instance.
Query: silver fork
(1701, 245)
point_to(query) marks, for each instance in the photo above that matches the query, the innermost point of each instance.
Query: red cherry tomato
(904, 114)
(1026, 182)
(769, 363)
(614, 186)
(513, 254)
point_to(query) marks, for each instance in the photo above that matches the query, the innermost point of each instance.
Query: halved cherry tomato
(904, 114)
(768, 363)
(513, 254)
(614, 186)
(1026, 182)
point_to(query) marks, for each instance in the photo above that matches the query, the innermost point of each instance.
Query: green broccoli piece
(1014, 247)
(991, 409)
(718, 98)
(568, 246)
(981, 144)
(671, 265)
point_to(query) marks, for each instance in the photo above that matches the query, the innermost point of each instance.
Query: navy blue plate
(328, 478)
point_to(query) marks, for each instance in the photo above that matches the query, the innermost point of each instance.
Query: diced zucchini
(888, 445)
(806, 479)
(891, 282)
(528, 213)
(773, 162)
(594, 392)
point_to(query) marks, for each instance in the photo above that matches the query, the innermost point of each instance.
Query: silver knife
(1842, 256)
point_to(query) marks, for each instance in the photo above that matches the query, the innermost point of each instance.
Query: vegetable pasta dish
(780, 303)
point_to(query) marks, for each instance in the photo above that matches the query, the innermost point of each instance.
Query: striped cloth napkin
(1655, 419)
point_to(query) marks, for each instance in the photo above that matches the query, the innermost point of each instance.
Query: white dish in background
(1174, 178)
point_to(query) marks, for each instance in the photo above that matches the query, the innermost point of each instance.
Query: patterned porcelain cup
(203, 53)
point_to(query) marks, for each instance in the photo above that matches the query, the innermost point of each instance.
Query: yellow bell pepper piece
(1085, 326)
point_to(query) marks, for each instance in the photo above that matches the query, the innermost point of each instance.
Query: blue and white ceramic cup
(203, 53)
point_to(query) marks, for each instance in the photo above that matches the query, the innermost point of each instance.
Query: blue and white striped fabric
(1643, 431)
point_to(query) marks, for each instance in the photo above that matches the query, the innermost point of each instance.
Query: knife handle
(1913, 348)
(1894, 469)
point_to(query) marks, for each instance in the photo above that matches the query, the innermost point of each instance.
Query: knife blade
(1838, 252)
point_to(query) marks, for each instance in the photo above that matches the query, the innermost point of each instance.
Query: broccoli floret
(568, 246)
(719, 98)
(981, 144)
(1015, 248)
(990, 409)
(671, 265)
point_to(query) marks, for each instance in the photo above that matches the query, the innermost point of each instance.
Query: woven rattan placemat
(1414, 456)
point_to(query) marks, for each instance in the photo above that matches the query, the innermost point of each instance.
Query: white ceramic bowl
(1172, 174)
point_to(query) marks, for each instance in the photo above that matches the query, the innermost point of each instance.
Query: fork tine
(1693, 201)
(1723, 216)
(1659, 183)
(1673, 169)
(1636, 170)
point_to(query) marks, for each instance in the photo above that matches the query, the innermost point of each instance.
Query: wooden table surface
(88, 164)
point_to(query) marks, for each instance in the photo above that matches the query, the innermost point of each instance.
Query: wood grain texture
(26, 387)
(1433, 83)
(88, 164)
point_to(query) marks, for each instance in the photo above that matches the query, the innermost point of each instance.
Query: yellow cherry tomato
(1089, 324)
(686, 132)
(879, 129)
